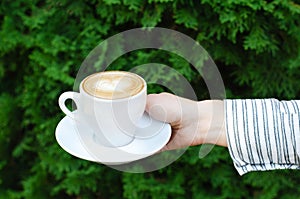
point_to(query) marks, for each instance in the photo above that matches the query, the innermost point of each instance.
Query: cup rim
(82, 91)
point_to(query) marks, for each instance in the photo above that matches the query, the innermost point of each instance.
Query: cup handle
(62, 99)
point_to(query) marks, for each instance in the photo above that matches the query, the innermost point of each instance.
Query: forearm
(263, 134)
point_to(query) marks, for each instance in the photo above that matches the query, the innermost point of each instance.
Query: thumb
(164, 107)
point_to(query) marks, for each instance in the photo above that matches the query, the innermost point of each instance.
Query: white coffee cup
(111, 103)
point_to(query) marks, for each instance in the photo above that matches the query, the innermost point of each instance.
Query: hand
(192, 122)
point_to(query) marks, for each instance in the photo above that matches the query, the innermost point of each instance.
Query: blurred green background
(255, 44)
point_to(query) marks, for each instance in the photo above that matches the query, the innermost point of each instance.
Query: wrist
(211, 122)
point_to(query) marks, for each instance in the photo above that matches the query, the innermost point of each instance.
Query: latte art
(113, 85)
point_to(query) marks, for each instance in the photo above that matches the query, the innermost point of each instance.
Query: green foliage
(42, 44)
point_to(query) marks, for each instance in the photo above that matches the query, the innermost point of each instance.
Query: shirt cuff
(263, 134)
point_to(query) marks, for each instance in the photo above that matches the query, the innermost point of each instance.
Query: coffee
(113, 85)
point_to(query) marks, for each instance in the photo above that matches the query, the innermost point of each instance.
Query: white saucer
(84, 146)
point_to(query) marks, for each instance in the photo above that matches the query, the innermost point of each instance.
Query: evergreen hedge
(255, 44)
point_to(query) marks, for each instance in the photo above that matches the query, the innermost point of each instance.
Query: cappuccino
(113, 85)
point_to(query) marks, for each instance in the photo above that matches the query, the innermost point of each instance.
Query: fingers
(164, 107)
(177, 142)
(181, 113)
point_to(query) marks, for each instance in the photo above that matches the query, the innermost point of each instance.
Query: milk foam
(113, 85)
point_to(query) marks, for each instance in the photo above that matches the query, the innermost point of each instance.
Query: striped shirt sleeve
(263, 134)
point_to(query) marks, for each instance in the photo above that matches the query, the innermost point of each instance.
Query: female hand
(192, 122)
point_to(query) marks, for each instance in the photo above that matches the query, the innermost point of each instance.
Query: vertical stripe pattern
(263, 134)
